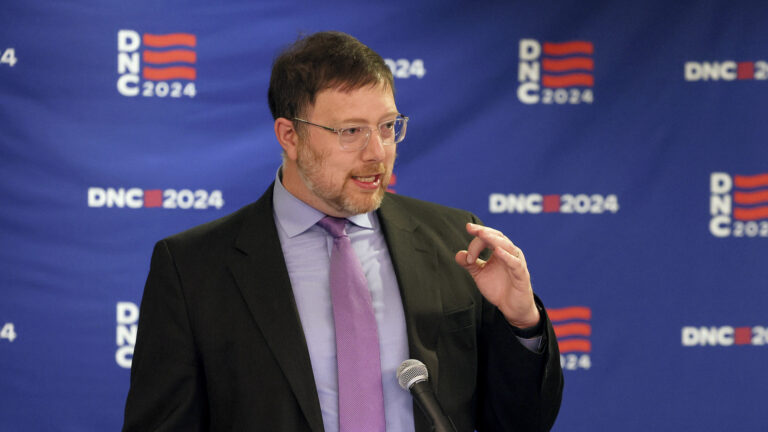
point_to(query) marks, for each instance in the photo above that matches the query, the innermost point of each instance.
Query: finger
(475, 248)
(521, 256)
(487, 233)
(475, 228)
(488, 238)
(512, 261)
(472, 267)
(461, 259)
(516, 266)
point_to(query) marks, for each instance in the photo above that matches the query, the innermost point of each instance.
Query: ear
(287, 136)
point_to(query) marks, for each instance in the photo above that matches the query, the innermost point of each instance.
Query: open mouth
(368, 182)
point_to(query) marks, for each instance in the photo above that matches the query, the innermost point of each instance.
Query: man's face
(341, 182)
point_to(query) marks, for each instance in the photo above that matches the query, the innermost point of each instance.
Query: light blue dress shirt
(307, 249)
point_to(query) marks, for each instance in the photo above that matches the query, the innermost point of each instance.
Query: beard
(311, 167)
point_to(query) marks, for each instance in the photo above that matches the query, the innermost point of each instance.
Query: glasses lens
(392, 131)
(399, 129)
(387, 131)
(354, 137)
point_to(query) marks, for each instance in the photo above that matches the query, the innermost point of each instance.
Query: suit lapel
(414, 258)
(262, 277)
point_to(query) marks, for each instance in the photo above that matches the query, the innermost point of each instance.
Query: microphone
(413, 376)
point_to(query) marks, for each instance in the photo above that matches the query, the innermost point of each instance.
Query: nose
(374, 151)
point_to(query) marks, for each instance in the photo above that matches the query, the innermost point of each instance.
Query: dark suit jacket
(220, 346)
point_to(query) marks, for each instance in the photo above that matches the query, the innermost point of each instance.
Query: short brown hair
(318, 62)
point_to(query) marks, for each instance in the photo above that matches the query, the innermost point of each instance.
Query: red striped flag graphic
(572, 328)
(163, 64)
(750, 197)
(571, 67)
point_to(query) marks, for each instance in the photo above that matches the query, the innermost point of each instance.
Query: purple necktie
(361, 398)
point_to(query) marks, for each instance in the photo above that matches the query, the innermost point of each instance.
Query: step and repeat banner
(621, 145)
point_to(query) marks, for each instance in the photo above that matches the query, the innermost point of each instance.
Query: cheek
(336, 171)
(390, 160)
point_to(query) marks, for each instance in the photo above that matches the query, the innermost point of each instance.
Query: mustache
(370, 170)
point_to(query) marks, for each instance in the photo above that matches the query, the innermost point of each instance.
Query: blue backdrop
(622, 146)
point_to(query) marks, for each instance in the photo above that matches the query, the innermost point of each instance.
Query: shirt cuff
(531, 337)
(533, 344)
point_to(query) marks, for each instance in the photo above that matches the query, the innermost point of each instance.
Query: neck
(293, 183)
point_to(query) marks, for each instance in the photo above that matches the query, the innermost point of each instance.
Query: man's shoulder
(224, 230)
(224, 226)
(440, 224)
(425, 211)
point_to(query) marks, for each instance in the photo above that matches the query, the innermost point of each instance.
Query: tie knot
(335, 226)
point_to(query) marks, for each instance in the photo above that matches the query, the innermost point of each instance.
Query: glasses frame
(368, 130)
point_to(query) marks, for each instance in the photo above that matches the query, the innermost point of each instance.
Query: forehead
(369, 103)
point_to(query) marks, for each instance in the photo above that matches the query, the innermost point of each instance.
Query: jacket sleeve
(518, 389)
(167, 390)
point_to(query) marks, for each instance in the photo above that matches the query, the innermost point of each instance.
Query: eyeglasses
(357, 137)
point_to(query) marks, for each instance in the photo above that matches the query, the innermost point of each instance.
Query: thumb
(461, 259)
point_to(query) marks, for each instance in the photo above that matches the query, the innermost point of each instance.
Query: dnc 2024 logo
(156, 65)
(556, 72)
(573, 329)
(138, 198)
(738, 205)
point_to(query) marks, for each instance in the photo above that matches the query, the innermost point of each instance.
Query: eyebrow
(363, 121)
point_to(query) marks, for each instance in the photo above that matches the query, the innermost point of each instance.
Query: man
(240, 326)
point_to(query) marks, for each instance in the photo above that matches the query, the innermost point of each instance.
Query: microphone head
(410, 372)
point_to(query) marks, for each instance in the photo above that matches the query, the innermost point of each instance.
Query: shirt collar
(295, 216)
